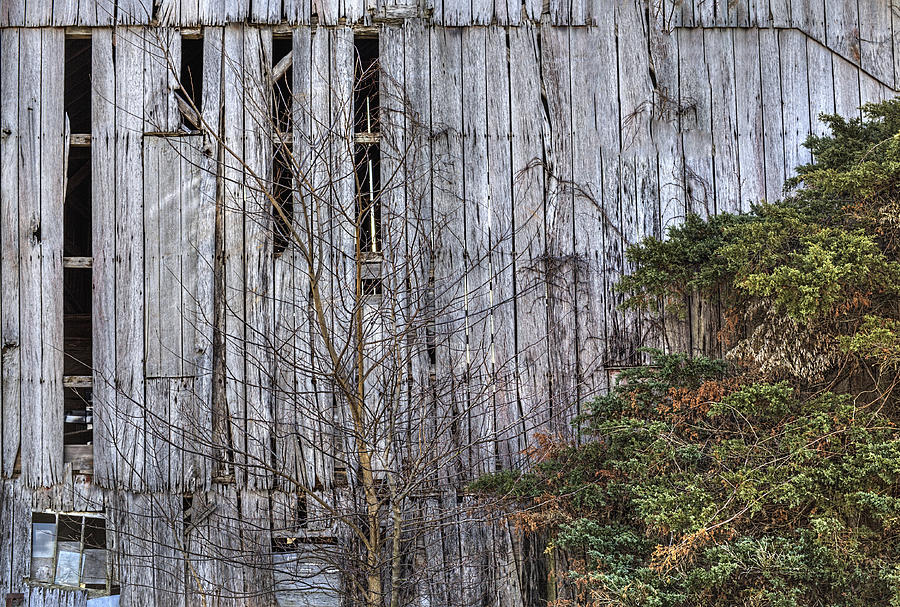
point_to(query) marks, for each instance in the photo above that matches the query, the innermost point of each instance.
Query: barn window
(69, 550)
(77, 84)
(191, 80)
(77, 261)
(367, 158)
(282, 176)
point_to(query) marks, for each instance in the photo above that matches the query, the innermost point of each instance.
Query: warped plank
(257, 258)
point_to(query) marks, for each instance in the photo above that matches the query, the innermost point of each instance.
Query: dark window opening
(283, 208)
(282, 177)
(77, 86)
(77, 208)
(368, 186)
(365, 95)
(282, 94)
(191, 78)
(77, 321)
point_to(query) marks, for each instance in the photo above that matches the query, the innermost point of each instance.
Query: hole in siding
(365, 97)
(191, 80)
(77, 85)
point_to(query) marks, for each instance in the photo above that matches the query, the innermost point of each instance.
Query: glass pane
(43, 540)
(69, 528)
(68, 563)
(94, 571)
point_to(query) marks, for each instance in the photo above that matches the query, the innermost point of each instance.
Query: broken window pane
(68, 563)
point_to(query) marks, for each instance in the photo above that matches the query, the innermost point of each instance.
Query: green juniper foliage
(771, 478)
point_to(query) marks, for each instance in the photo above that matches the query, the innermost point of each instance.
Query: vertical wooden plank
(843, 28)
(477, 220)
(165, 527)
(773, 140)
(720, 56)
(418, 206)
(129, 258)
(698, 166)
(265, 11)
(810, 16)
(64, 12)
(41, 174)
(560, 263)
(665, 128)
(387, 322)
(696, 137)
(133, 12)
(593, 65)
(821, 84)
(750, 125)
(258, 253)
(503, 319)
(449, 227)
(162, 60)
(103, 221)
(846, 87)
(871, 90)
(233, 259)
(29, 255)
(12, 13)
(9, 245)
(328, 433)
(341, 234)
(876, 40)
(236, 11)
(38, 13)
(327, 11)
(212, 12)
(157, 456)
(795, 96)
(639, 186)
(54, 148)
(256, 549)
(482, 12)
(527, 211)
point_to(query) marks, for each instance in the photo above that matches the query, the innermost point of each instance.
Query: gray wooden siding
(543, 151)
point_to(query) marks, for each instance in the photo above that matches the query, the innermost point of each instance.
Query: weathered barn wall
(548, 149)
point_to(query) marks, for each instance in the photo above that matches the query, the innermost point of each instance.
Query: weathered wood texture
(519, 162)
(33, 152)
